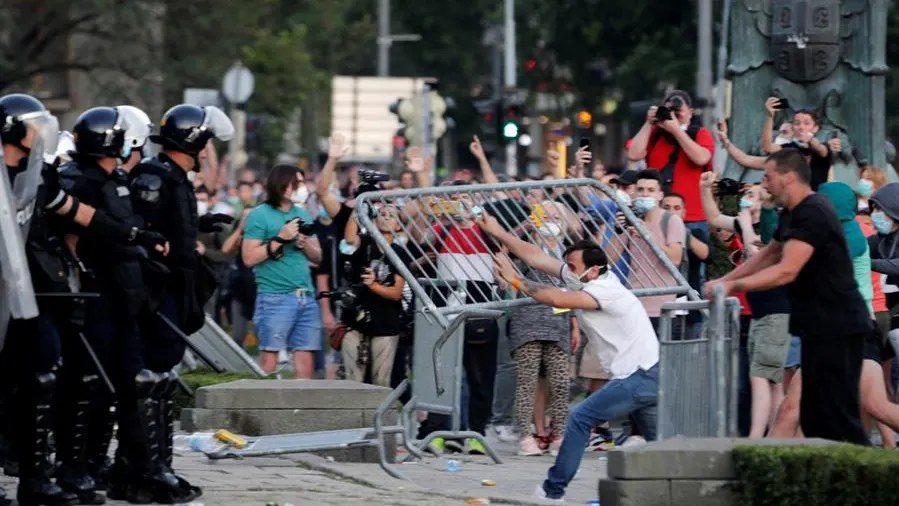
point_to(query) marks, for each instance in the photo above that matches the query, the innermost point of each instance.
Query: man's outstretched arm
(796, 254)
(544, 294)
(529, 253)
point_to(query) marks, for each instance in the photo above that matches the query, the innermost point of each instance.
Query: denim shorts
(290, 321)
(794, 353)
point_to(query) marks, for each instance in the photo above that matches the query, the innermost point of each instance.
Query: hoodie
(884, 251)
(844, 201)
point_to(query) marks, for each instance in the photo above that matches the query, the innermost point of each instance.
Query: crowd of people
(281, 259)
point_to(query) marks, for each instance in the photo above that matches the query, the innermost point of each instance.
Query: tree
(45, 38)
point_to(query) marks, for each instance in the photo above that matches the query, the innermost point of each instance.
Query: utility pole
(704, 74)
(385, 39)
(721, 98)
(511, 79)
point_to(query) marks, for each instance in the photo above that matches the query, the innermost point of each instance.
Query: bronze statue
(824, 55)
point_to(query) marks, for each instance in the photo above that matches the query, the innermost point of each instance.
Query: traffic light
(584, 120)
(511, 124)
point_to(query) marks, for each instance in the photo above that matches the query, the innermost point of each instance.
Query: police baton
(84, 341)
(196, 351)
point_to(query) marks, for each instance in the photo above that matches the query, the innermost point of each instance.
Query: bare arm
(768, 127)
(351, 232)
(337, 148)
(639, 146)
(796, 254)
(394, 293)
(486, 169)
(232, 243)
(312, 249)
(696, 153)
(530, 254)
(712, 214)
(699, 248)
(254, 251)
(740, 156)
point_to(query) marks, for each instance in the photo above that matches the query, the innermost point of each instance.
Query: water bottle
(196, 442)
(452, 466)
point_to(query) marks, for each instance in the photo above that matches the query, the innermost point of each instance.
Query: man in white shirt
(611, 317)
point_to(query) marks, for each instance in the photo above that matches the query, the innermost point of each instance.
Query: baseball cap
(627, 177)
(682, 95)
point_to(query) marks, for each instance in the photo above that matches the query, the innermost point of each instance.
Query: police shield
(17, 298)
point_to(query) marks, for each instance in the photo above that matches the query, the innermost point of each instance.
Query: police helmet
(100, 133)
(139, 130)
(16, 114)
(188, 128)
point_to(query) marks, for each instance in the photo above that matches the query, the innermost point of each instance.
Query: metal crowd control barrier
(431, 237)
(219, 351)
(698, 378)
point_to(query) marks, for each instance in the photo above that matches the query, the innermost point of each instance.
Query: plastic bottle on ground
(196, 442)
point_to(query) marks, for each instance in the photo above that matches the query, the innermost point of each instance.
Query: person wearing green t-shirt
(287, 315)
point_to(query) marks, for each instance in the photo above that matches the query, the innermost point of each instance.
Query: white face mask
(781, 140)
(299, 197)
(202, 207)
(550, 230)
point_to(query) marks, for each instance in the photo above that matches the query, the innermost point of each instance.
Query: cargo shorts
(769, 343)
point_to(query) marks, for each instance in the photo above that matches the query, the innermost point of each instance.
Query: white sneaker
(506, 433)
(634, 441)
(282, 357)
(540, 495)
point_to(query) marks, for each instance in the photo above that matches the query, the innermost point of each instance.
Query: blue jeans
(290, 321)
(621, 397)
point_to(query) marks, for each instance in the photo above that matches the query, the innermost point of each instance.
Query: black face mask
(15, 170)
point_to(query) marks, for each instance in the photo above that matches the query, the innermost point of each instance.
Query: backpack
(684, 266)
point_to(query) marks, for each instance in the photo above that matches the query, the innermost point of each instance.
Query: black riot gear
(100, 133)
(15, 110)
(188, 128)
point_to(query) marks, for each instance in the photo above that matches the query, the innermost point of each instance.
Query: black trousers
(831, 371)
(479, 360)
(163, 347)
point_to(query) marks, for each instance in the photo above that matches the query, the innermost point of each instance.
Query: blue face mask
(323, 214)
(346, 248)
(865, 187)
(645, 204)
(882, 223)
(745, 203)
(125, 152)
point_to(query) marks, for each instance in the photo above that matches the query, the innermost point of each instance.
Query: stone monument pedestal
(274, 407)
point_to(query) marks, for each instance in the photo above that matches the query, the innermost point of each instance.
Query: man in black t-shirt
(810, 255)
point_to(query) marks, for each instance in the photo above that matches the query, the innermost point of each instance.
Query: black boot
(99, 437)
(129, 477)
(35, 486)
(164, 407)
(8, 451)
(71, 441)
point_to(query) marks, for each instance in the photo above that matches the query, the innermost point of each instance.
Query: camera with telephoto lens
(728, 187)
(370, 181)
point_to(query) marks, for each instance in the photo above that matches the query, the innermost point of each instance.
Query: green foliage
(719, 264)
(814, 475)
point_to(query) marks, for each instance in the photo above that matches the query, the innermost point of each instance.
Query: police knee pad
(146, 383)
(168, 384)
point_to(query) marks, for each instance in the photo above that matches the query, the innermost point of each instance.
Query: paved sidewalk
(306, 479)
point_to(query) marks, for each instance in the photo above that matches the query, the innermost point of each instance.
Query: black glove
(149, 240)
(56, 196)
(210, 223)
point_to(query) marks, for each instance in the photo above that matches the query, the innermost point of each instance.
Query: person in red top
(679, 148)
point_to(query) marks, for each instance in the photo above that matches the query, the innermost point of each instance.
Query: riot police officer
(30, 358)
(163, 195)
(102, 418)
(95, 178)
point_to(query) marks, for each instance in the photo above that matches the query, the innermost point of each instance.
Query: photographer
(374, 303)
(278, 248)
(674, 144)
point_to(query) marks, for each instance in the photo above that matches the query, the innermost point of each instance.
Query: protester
(810, 255)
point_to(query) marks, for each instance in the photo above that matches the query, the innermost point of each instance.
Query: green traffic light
(510, 130)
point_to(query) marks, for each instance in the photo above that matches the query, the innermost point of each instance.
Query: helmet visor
(43, 128)
(218, 123)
